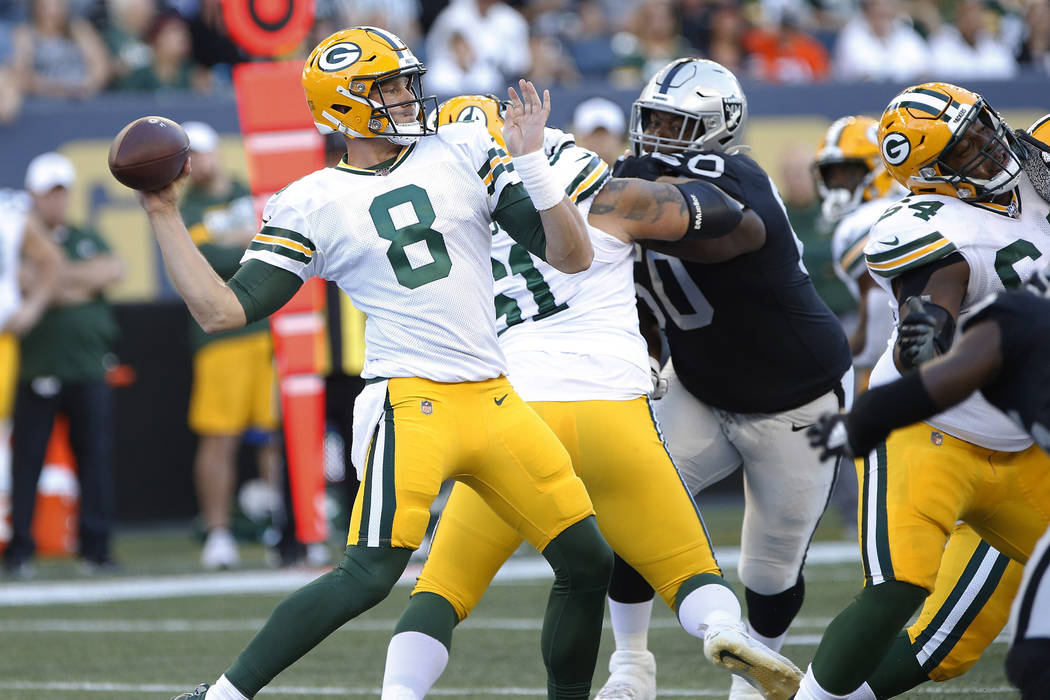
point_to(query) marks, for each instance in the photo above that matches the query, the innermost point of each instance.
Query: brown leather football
(148, 153)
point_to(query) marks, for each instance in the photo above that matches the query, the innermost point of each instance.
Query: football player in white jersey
(576, 355)
(973, 225)
(402, 225)
(855, 189)
(24, 248)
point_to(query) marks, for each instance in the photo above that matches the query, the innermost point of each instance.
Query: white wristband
(538, 177)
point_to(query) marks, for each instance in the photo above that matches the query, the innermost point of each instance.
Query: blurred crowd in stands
(77, 48)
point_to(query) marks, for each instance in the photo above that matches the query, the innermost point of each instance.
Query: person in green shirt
(63, 366)
(233, 375)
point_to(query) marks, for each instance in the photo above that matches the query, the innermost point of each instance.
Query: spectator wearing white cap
(233, 377)
(599, 125)
(62, 370)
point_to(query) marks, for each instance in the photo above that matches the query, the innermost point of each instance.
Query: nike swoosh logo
(796, 428)
(893, 241)
(499, 401)
(725, 653)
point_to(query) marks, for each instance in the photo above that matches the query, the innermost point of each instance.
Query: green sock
(582, 564)
(899, 671)
(429, 614)
(860, 636)
(303, 619)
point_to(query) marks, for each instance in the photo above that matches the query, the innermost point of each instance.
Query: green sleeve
(517, 215)
(263, 288)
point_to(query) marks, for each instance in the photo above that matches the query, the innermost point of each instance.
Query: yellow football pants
(479, 433)
(643, 508)
(968, 608)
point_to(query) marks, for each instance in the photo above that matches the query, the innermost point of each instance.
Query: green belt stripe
(972, 610)
(685, 487)
(366, 498)
(592, 164)
(864, 518)
(279, 250)
(918, 262)
(882, 535)
(906, 248)
(289, 234)
(386, 523)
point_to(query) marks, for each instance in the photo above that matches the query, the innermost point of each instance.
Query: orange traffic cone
(57, 496)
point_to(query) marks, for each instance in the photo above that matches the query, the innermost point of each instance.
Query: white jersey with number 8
(410, 244)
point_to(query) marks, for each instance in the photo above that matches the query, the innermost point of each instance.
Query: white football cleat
(220, 551)
(728, 646)
(742, 690)
(632, 676)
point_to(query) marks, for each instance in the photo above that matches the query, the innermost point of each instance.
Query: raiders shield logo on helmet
(734, 110)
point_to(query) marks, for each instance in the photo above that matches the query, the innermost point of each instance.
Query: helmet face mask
(983, 145)
(937, 138)
(707, 97)
(354, 82)
(848, 169)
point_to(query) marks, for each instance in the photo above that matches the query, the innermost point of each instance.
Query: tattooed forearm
(640, 200)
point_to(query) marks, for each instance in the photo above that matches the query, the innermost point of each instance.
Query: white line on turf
(91, 687)
(527, 568)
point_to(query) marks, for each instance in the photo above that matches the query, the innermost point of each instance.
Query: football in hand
(149, 153)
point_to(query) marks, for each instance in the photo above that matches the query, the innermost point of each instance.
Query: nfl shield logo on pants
(426, 407)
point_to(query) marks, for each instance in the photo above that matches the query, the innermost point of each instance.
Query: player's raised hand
(525, 118)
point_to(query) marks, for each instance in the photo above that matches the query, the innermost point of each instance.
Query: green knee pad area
(429, 614)
(572, 624)
(858, 639)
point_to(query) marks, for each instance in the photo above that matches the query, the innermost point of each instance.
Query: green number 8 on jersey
(403, 217)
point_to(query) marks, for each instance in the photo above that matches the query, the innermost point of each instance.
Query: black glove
(642, 167)
(1039, 283)
(830, 435)
(917, 334)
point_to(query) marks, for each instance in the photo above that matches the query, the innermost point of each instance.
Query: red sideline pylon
(281, 145)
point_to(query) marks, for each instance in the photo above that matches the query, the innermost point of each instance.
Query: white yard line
(518, 569)
(89, 687)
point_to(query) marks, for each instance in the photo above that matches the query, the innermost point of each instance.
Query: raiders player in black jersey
(756, 357)
(1004, 352)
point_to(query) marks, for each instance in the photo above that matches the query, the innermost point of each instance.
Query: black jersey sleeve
(1022, 388)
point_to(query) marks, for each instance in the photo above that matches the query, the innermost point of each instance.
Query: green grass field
(154, 648)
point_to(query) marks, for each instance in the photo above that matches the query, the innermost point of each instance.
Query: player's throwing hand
(525, 119)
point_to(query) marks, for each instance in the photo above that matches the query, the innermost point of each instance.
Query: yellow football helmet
(1041, 130)
(487, 109)
(850, 140)
(340, 73)
(921, 127)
